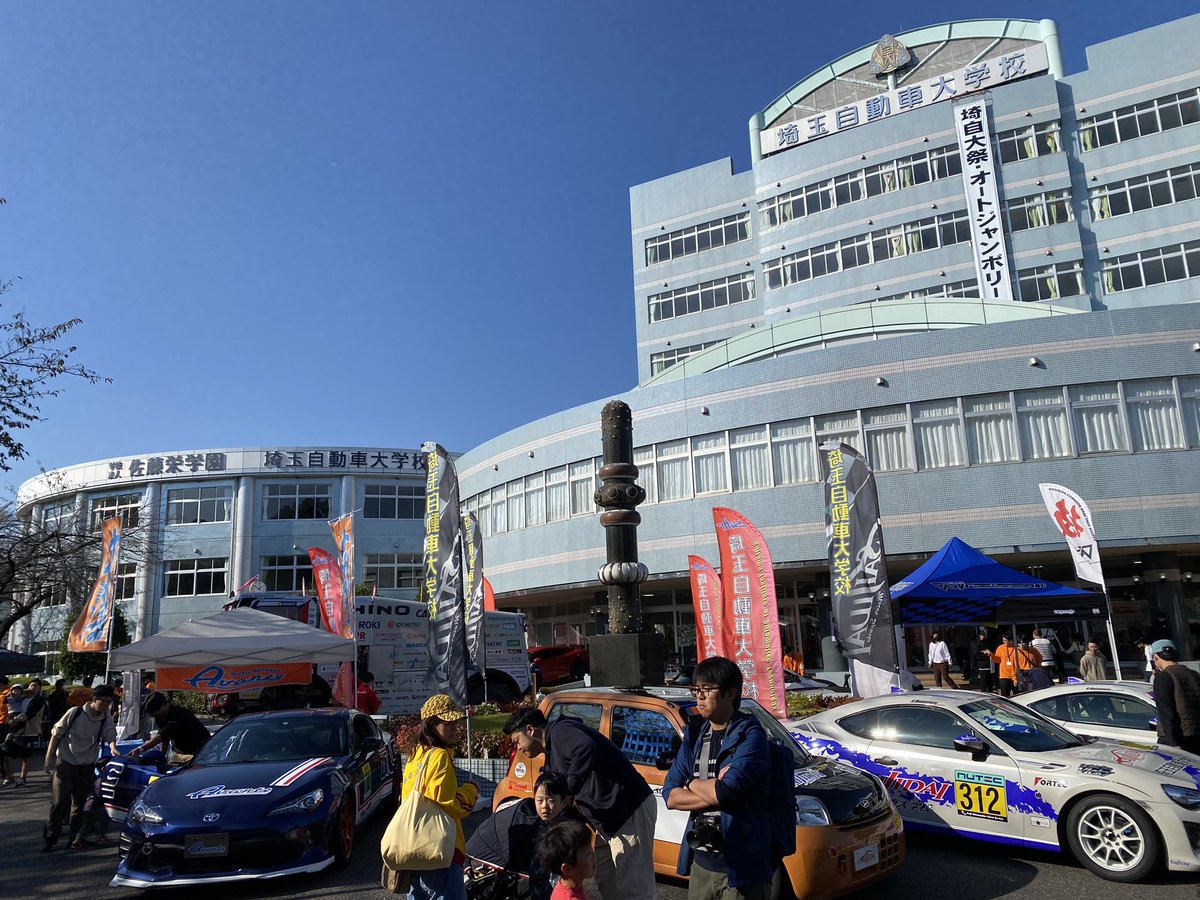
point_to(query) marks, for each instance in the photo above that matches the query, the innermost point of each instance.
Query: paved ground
(936, 869)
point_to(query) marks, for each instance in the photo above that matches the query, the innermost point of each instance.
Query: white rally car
(1113, 710)
(983, 767)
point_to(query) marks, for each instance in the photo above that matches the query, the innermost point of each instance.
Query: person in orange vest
(793, 660)
(1012, 661)
(81, 695)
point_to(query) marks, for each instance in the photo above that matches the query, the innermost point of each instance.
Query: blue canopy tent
(958, 585)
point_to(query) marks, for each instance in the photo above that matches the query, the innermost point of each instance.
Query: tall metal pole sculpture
(627, 656)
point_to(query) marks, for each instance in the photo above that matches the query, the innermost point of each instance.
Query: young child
(566, 849)
(550, 800)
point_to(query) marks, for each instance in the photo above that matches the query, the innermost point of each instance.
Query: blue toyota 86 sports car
(271, 794)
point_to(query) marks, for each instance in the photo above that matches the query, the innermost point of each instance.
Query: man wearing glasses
(720, 776)
(608, 791)
(71, 762)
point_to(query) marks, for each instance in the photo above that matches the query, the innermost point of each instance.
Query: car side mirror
(370, 744)
(665, 760)
(1152, 725)
(969, 743)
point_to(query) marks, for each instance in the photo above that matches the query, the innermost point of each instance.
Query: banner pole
(1112, 636)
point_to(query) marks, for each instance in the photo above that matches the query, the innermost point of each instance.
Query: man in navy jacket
(720, 777)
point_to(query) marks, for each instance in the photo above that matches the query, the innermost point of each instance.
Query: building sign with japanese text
(980, 76)
(989, 246)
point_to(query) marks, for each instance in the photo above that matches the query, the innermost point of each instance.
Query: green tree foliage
(73, 666)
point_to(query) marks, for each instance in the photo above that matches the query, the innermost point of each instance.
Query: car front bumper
(832, 861)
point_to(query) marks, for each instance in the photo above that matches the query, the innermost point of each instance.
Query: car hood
(848, 794)
(189, 794)
(1124, 761)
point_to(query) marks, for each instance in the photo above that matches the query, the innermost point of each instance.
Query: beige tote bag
(420, 837)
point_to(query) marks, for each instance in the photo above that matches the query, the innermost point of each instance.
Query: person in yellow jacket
(430, 769)
(1012, 660)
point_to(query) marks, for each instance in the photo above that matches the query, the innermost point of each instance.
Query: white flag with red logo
(1074, 520)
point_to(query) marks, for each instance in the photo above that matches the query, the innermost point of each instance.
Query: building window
(199, 505)
(1042, 420)
(535, 499)
(393, 570)
(1153, 415)
(195, 577)
(966, 288)
(660, 362)
(499, 510)
(991, 437)
(59, 517)
(701, 297)
(558, 501)
(886, 431)
(1039, 210)
(1096, 411)
(938, 432)
(864, 249)
(841, 429)
(516, 505)
(1140, 119)
(124, 585)
(643, 458)
(1145, 192)
(287, 573)
(673, 471)
(394, 501)
(709, 463)
(1189, 395)
(792, 452)
(122, 506)
(1150, 267)
(299, 500)
(1063, 279)
(583, 487)
(750, 458)
(698, 238)
(1026, 143)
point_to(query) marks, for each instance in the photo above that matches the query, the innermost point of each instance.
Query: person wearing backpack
(71, 762)
(718, 778)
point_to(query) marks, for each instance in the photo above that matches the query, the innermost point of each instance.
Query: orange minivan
(848, 834)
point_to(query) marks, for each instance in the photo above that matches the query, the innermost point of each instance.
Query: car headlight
(811, 811)
(307, 803)
(141, 812)
(1188, 798)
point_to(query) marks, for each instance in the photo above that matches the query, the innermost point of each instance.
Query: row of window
(1148, 267)
(698, 238)
(1145, 192)
(214, 503)
(1061, 279)
(1116, 417)
(662, 361)
(898, 174)
(1140, 119)
(700, 297)
(865, 249)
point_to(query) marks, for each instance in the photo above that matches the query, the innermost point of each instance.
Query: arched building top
(931, 52)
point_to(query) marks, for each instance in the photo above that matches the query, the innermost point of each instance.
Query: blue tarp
(960, 585)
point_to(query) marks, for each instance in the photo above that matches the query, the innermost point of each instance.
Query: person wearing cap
(175, 724)
(71, 763)
(430, 770)
(1177, 697)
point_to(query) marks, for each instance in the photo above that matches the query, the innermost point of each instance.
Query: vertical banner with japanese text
(707, 605)
(89, 634)
(988, 243)
(473, 617)
(863, 619)
(330, 600)
(442, 579)
(343, 540)
(751, 613)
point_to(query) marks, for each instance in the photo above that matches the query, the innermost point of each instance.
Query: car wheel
(1113, 838)
(781, 886)
(343, 837)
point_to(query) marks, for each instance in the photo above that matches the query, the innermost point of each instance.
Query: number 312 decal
(980, 795)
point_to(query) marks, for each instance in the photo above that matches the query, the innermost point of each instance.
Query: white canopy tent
(238, 637)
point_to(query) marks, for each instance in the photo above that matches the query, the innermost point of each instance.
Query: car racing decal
(219, 790)
(914, 790)
(981, 795)
(304, 768)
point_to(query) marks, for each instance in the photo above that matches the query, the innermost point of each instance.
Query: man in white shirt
(1045, 646)
(939, 661)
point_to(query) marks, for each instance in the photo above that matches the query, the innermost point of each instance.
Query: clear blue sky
(374, 223)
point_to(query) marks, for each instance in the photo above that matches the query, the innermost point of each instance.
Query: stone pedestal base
(626, 660)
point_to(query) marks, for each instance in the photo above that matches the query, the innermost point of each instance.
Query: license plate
(866, 857)
(199, 846)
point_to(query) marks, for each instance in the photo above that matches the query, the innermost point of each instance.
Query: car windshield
(274, 740)
(1020, 728)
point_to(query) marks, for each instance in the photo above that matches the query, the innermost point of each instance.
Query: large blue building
(974, 332)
